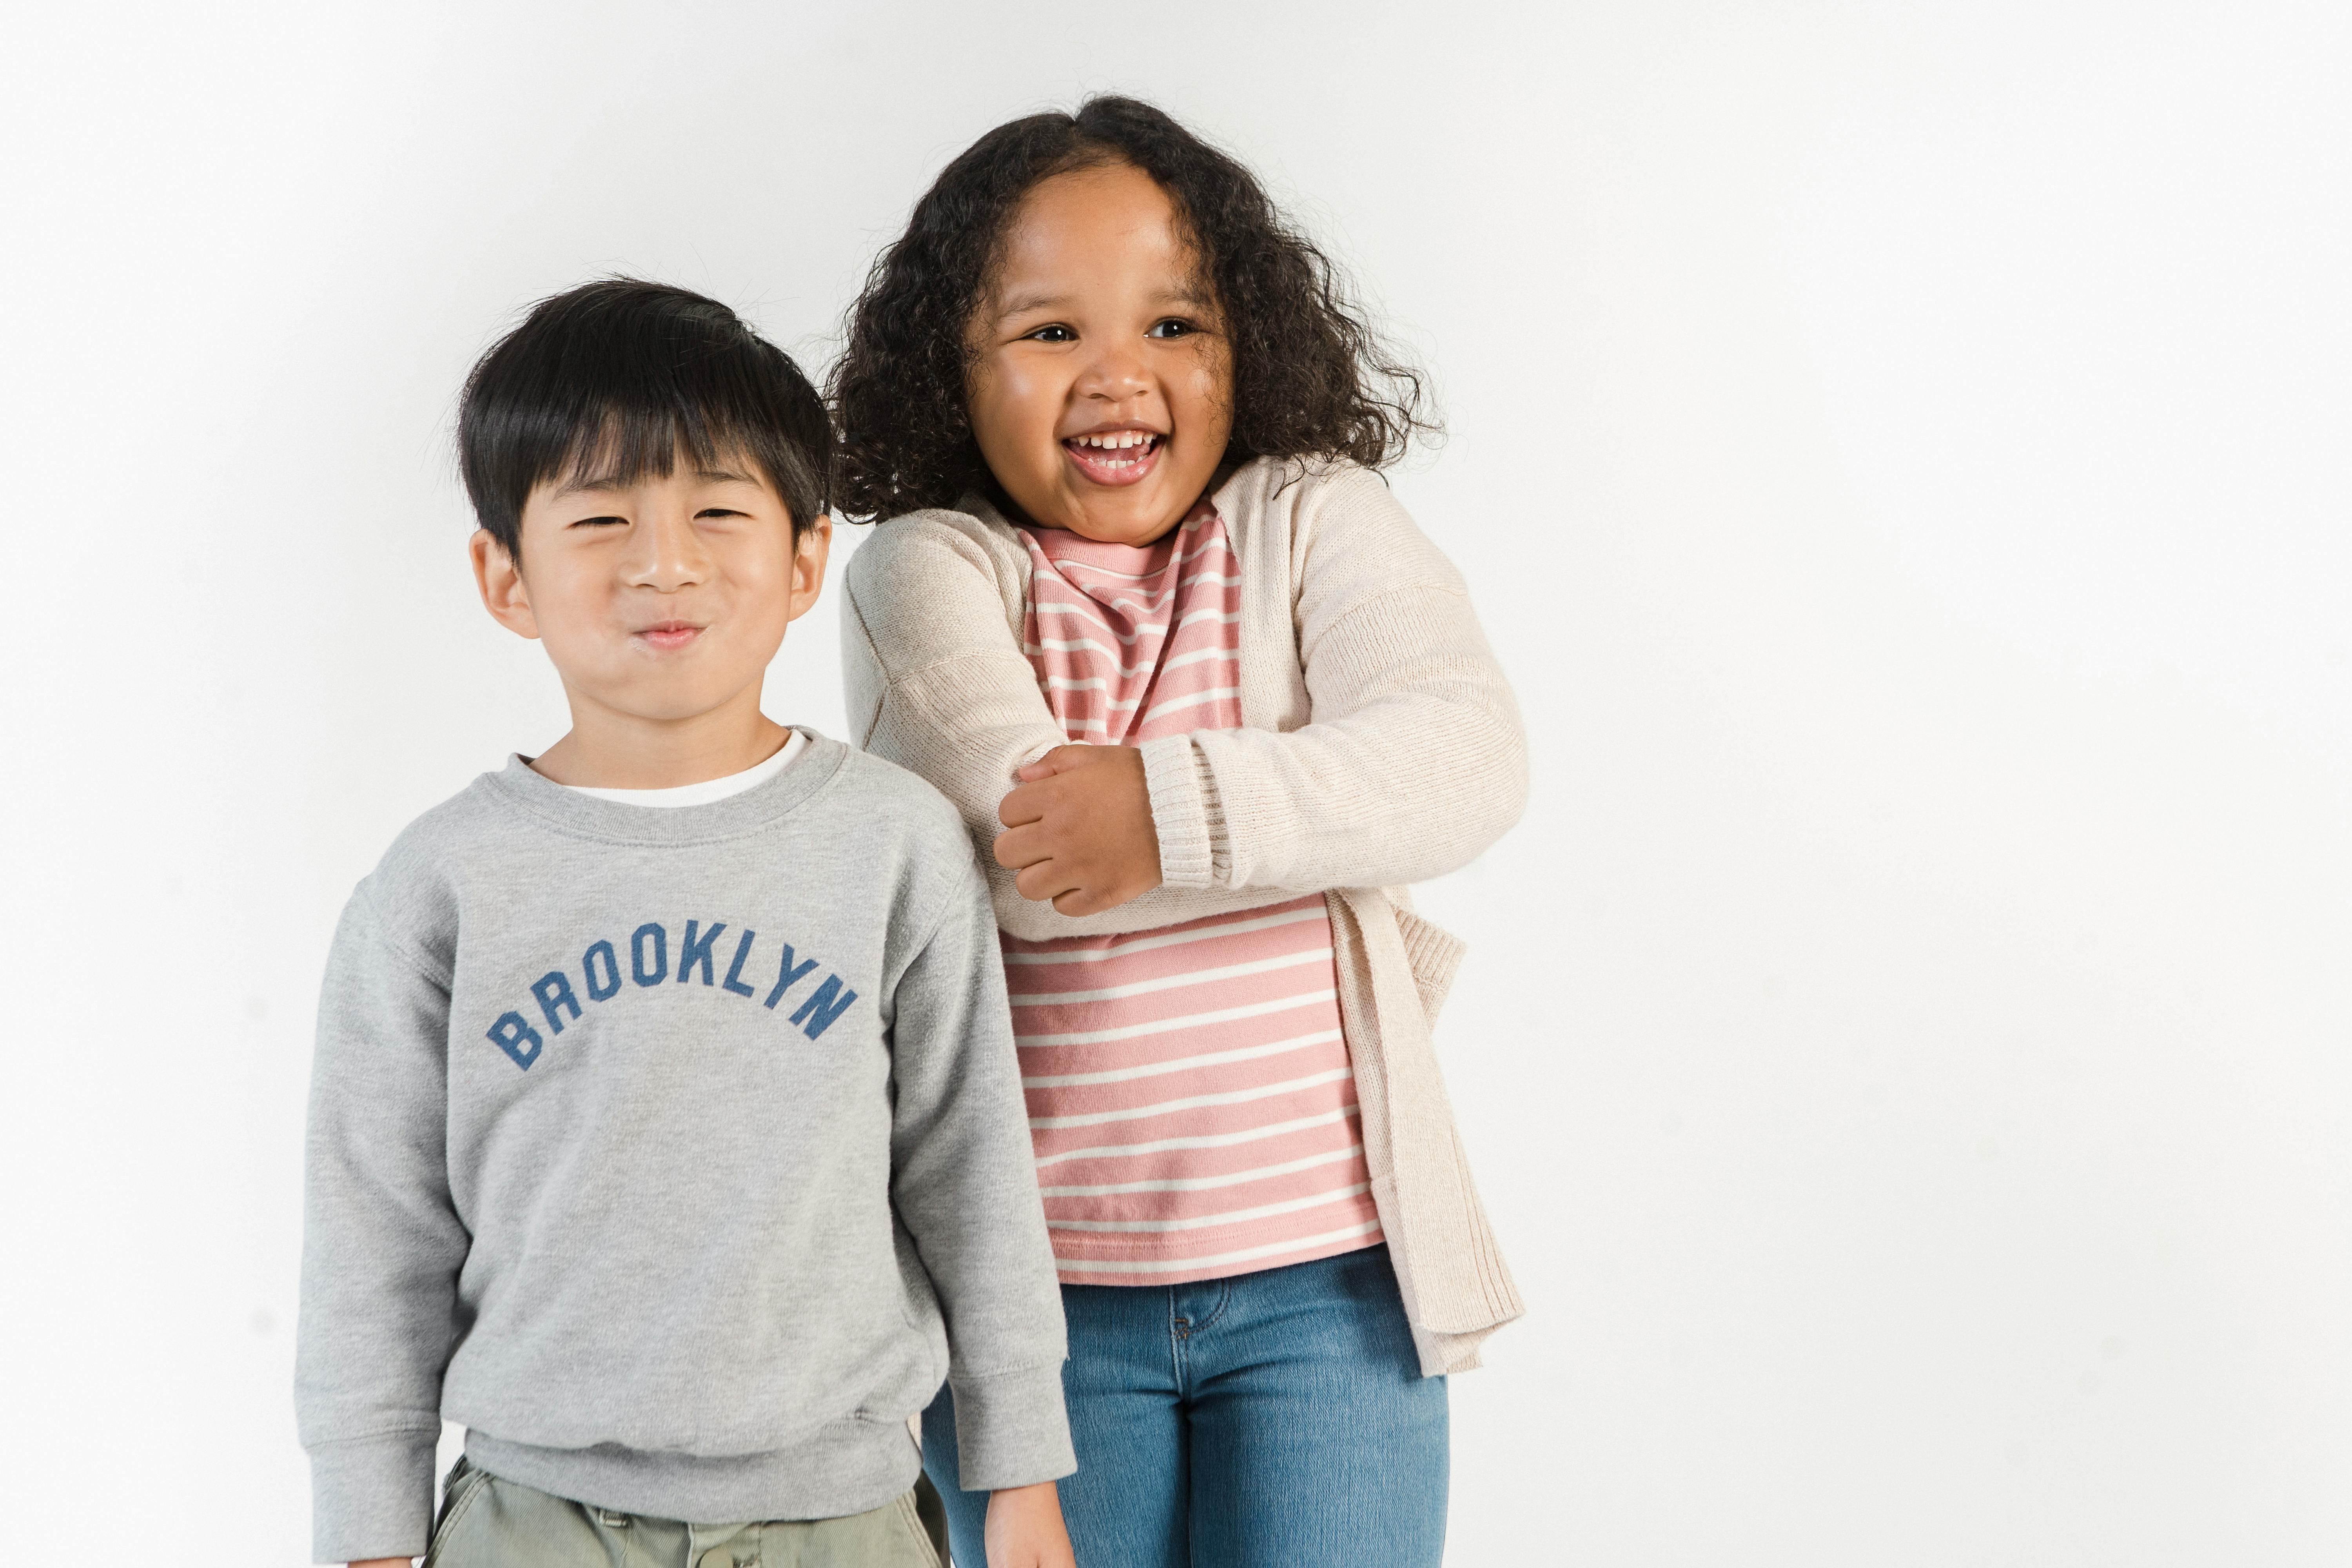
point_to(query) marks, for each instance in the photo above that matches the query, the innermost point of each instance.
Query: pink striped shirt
(1189, 1087)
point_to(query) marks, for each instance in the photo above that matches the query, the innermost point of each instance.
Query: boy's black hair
(612, 379)
(1310, 376)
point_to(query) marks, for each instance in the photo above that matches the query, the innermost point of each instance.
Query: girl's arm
(936, 682)
(1414, 762)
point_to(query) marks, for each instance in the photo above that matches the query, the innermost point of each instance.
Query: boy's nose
(668, 555)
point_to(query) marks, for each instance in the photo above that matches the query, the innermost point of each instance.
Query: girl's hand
(1025, 1529)
(1079, 829)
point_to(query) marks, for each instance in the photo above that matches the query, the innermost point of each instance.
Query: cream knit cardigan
(1379, 746)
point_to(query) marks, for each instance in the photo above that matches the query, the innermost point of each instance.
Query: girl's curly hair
(1311, 378)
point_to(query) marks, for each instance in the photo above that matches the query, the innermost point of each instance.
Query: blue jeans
(1269, 1420)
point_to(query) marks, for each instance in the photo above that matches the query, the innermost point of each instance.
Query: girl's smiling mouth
(1115, 457)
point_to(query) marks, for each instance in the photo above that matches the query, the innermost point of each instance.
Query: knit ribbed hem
(1179, 810)
(373, 1497)
(1010, 1429)
(1433, 954)
(849, 1466)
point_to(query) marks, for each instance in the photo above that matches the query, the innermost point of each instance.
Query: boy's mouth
(668, 634)
(1115, 457)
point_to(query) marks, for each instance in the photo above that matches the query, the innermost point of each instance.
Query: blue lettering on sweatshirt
(735, 971)
(554, 993)
(640, 971)
(557, 1001)
(509, 1034)
(785, 975)
(698, 951)
(820, 1010)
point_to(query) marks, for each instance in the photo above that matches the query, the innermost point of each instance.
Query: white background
(1898, 451)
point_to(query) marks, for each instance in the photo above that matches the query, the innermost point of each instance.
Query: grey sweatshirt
(679, 1154)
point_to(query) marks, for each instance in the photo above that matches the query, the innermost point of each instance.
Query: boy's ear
(810, 551)
(500, 577)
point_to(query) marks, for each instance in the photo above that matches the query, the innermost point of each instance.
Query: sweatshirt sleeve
(1414, 761)
(966, 1189)
(381, 1245)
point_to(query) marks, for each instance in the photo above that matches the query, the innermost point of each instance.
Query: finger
(1017, 848)
(1044, 881)
(1078, 901)
(1060, 760)
(1024, 805)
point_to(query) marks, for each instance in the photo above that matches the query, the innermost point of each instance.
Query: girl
(1207, 698)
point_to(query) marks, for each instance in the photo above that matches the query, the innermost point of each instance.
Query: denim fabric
(1270, 1420)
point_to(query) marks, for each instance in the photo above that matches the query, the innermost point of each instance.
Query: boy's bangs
(610, 383)
(624, 447)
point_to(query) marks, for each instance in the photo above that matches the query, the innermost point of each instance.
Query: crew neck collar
(591, 817)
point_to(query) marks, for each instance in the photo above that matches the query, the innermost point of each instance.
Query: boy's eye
(1174, 327)
(721, 512)
(601, 521)
(1052, 334)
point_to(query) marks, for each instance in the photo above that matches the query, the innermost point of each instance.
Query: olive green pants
(487, 1523)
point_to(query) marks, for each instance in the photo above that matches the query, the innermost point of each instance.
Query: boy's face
(1101, 389)
(659, 598)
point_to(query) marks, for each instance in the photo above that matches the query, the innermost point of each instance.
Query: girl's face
(1102, 393)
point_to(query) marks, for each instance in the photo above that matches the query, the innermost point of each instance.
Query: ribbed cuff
(1010, 1429)
(1180, 812)
(373, 1497)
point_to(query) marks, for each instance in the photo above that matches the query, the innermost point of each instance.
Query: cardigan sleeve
(1414, 760)
(936, 681)
(933, 673)
(1414, 763)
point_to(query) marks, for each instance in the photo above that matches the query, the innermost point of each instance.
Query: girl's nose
(1116, 375)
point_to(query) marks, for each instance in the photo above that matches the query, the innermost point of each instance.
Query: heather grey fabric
(679, 1154)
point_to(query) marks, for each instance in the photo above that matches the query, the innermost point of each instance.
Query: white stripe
(1156, 1069)
(1169, 981)
(1202, 1183)
(1164, 1026)
(1066, 644)
(1201, 1140)
(1064, 683)
(1212, 617)
(1170, 1265)
(1173, 939)
(1195, 657)
(1232, 1217)
(1193, 1102)
(1191, 700)
(1088, 613)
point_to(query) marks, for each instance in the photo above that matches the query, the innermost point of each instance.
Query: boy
(666, 1128)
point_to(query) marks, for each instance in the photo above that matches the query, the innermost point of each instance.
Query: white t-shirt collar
(708, 790)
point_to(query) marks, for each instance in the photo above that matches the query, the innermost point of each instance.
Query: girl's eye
(1173, 327)
(1054, 334)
